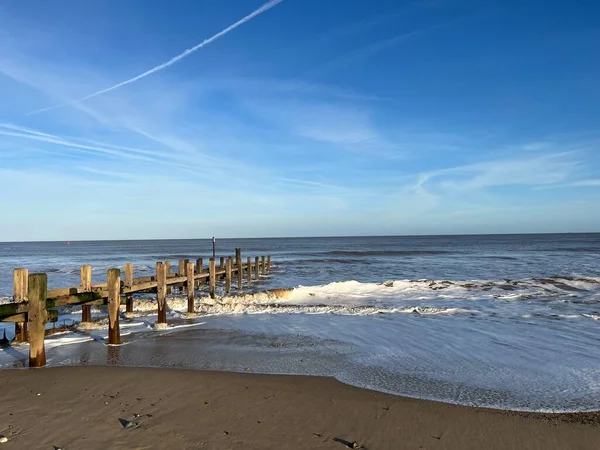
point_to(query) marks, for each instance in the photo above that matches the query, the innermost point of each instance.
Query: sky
(240, 118)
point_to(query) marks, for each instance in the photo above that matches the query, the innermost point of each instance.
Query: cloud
(372, 49)
(170, 62)
(587, 183)
(537, 171)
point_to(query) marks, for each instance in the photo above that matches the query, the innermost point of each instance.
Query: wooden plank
(85, 274)
(168, 272)
(249, 270)
(190, 287)
(140, 287)
(144, 279)
(238, 263)
(12, 309)
(176, 280)
(128, 283)
(52, 317)
(37, 317)
(212, 277)
(113, 280)
(20, 286)
(263, 270)
(256, 264)
(75, 299)
(199, 276)
(161, 291)
(60, 292)
(228, 266)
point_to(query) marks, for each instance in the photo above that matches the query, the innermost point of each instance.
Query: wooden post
(20, 283)
(228, 268)
(222, 263)
(37, 316)
(190, 286)
(256, 264)
(85, 274)
(181, 271)
(238, 263)
(249, 270)
(113, 283)
(263, 268)
(129, 283)
(168, 271)
(199, 269)
(161, 291)
(212, 278)
(268, 263)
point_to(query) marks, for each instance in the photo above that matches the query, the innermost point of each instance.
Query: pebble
(3, 439)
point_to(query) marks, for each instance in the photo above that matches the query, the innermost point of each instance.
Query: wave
(386, 252)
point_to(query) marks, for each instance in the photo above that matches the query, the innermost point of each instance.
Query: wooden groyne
(34, 305)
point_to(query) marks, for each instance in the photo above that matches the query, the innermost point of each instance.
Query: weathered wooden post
(161, 291)
(268, 263)
(168, 271)
(221, 263)
(199, 269)
(249, 270)
(228, 268)
(20, 282)
(238, 263)
(128, 284)
(37, 316)
(181, 271)
(256, 264)
(263, 268)
(190, 286)
(212, 280)
(113, 282)
(85, 275)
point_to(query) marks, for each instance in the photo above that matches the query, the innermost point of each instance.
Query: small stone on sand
(3, 439)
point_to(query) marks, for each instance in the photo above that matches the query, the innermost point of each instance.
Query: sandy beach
(80, 408)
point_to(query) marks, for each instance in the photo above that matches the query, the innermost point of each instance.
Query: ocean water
(501, 321)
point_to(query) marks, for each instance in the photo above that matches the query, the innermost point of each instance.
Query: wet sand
(80, 408)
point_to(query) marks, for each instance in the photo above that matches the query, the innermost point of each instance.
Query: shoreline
(79, 407)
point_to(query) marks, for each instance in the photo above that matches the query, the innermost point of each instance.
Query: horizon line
(305, 237)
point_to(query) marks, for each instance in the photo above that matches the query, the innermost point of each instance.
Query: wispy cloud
(170, 62)
(372, 49)
(545, 170)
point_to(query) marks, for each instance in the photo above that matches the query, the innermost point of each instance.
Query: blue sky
(313, 117)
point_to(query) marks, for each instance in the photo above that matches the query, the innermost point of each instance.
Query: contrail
(170, 62)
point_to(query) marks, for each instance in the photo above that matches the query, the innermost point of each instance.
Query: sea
(500, 321)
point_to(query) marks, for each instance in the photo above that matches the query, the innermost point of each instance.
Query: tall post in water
(85, 274)
(37, 317)
(249, 270)
(263, 269)
(167, 272)
(181, 271)
(214, 242)
(190, 286)
(212, 279)
(20, 287)
(256, 264)
(128, 284)
(113, 282)
(228, 268)
(268, 263)
(161, 292)
(238, 263)
(199, 269)
(221, 263)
